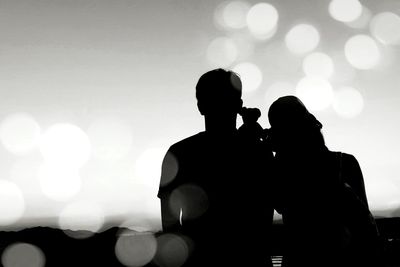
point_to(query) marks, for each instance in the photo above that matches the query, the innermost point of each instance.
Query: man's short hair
(218, 89)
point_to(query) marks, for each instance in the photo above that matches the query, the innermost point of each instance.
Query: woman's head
(293, 127)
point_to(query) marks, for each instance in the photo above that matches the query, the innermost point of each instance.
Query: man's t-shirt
(216, 189)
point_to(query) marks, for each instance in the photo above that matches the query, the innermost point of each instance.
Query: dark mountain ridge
(60, 249)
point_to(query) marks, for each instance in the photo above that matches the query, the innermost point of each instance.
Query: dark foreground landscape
(123, 247)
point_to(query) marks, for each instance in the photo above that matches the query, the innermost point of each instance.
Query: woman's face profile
(287, 138)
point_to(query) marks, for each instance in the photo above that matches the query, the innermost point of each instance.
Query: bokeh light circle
(302, 38)
(316, 93)
(58, 182)
(318, 64)
(231, 15)
(188, 202)
(245, 45)
(250, 75)
(345, 10)
(83, 218)
(362, 21)
(111, 138)
(22, 255)
(12, 203)
(222, 52)
(267, 36)
(23, 172)
(234, 14)
(19, 133)
(65, 144)
(173, 250)
(170, 169)
(262, 19)
(135, 249)
(386, 28)
(362, 52)
(348, 102)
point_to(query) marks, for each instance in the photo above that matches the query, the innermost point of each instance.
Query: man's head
(219, 93)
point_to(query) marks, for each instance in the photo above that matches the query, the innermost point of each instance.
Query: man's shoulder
(188, 142)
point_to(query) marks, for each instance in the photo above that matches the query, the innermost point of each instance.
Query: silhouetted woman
(310, 182)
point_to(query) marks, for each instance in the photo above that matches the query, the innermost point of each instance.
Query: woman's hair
(290, 119)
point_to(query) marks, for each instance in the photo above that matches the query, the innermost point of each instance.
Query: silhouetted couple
(219, 187)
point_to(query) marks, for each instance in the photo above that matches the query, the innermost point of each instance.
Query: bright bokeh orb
(172, 169)
(173, 250)
(222, 52)
(316, 93)
(111, 138)
(135, 249)
(362, 52)
(231, 15)
(23, 255)
(218, 16)
(250, 75)
(188, 202)
(148, 166)
(268, 35)
(345, 10)
(58, 182)
(85, 218)
(302, 38)
(12, 203)
(234, 14)
(348, 102)
(318, 64)
(245, 45)
(386, 28)
(362, 21)
(262, 19)
(65, 144)
(23, 172)
(19, 133)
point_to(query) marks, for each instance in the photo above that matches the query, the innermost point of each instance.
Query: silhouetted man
(214, 185)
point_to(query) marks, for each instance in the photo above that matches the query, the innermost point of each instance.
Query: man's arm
(169, 175)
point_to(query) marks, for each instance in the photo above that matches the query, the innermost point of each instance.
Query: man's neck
(218, 126)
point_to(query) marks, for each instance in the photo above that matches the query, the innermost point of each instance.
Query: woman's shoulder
(343, 155)
(347, 159)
